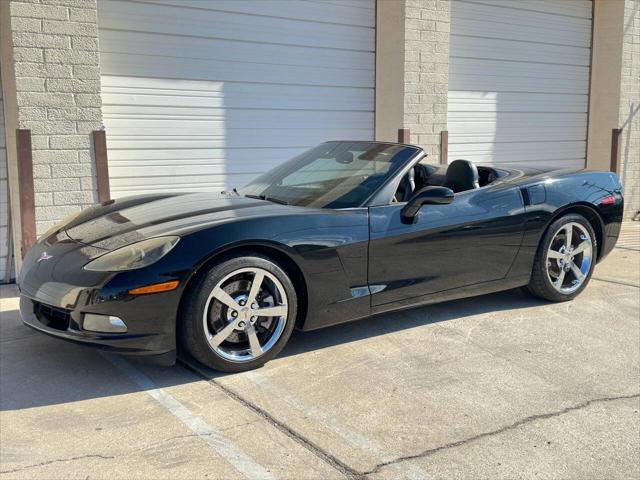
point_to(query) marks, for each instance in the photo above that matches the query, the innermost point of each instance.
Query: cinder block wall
(426, 74)
(57, 94)
(630, 107)
(412, 70)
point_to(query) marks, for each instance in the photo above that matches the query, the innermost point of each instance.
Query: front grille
(52, 317)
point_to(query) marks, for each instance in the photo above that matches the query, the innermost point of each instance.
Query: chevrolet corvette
(343, 231)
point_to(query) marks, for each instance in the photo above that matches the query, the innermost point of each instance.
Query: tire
(547, 281)
(205, 323)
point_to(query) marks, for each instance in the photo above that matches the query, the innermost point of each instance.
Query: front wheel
(565, 259)
(240, 314)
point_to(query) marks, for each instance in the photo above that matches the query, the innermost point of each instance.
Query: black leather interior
(461, 175)
(406, 187)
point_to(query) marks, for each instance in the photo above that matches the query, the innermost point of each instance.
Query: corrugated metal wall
(519, 81)
(205, 95)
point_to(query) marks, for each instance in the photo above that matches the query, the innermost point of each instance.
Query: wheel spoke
(254, 342)
(569, 235)
(223, 334)
(277, 311)
(581, 248)
(554, 254)
(577, 272)
(559, 281)
(237, 338)
(223, 297)
(255, 287)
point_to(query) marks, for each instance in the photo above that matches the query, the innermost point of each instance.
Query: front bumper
(70, 329)
(56, 293)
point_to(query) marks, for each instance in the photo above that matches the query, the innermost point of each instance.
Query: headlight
(134, 256)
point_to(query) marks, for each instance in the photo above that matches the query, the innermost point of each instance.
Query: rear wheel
(240, 314)
(565, 259)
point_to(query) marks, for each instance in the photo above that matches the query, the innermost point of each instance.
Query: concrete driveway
(500, 386)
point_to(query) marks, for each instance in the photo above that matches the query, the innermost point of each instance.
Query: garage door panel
(195, 69)
(188, 183)
(187, 168)
(194, 22)
(194, 91)
(518, 134)
(478, 102)
(242, 120)
(564, 8)
(492, 49)
(197, 155)
(507, 21)
(512, 119)
(129, 91)
(519, 81)
(139, 43)
(522, 71)
(263, 138)
(344, 11)
(509, 152)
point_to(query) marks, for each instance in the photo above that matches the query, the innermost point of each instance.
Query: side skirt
(455, 294)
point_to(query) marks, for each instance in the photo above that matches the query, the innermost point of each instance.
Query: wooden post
(27, 197)
(444, 147)
(404, 135)
(102, 166)
(615, 149)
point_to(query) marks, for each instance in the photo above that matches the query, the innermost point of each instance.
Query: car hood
(121, 222)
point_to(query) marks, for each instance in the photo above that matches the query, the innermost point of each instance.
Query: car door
(472, 240)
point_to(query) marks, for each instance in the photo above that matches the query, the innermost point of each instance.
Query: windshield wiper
(268, 199)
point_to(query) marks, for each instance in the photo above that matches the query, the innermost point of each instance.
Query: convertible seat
(461, 175)
(406, 187)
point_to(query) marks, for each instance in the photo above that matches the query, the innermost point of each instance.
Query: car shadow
(37, 370)
(303, 342)
(352, 332)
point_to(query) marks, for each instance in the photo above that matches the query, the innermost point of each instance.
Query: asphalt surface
(499, 386)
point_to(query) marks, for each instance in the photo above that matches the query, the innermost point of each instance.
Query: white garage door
(206, 94)
(519, 81)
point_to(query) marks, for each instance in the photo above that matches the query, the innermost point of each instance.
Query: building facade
(206, 94)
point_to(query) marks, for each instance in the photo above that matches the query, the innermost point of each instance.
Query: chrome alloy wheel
(569, 258)
(245, 314)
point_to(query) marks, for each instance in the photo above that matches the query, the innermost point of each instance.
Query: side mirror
(425, 196)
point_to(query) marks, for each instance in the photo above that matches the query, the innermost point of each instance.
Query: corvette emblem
(44, 256)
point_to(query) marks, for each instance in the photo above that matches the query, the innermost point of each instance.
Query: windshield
(332, 175)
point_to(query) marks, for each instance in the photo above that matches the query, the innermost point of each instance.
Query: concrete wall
(390, 60)
(629, 113)
(615, 93)
(604, 97)
(53, 47)
(426, 73)
(412, 71)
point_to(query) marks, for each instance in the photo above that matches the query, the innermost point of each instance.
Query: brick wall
(57, 83)
(630, 107)
(426, 72)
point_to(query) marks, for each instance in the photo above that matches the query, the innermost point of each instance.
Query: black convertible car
(340, 232)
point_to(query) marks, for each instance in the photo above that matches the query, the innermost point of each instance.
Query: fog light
(103, 323)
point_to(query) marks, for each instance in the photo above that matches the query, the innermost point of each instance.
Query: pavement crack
(616, 281)
(59, 460)
(300, 439)
(506, 428)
